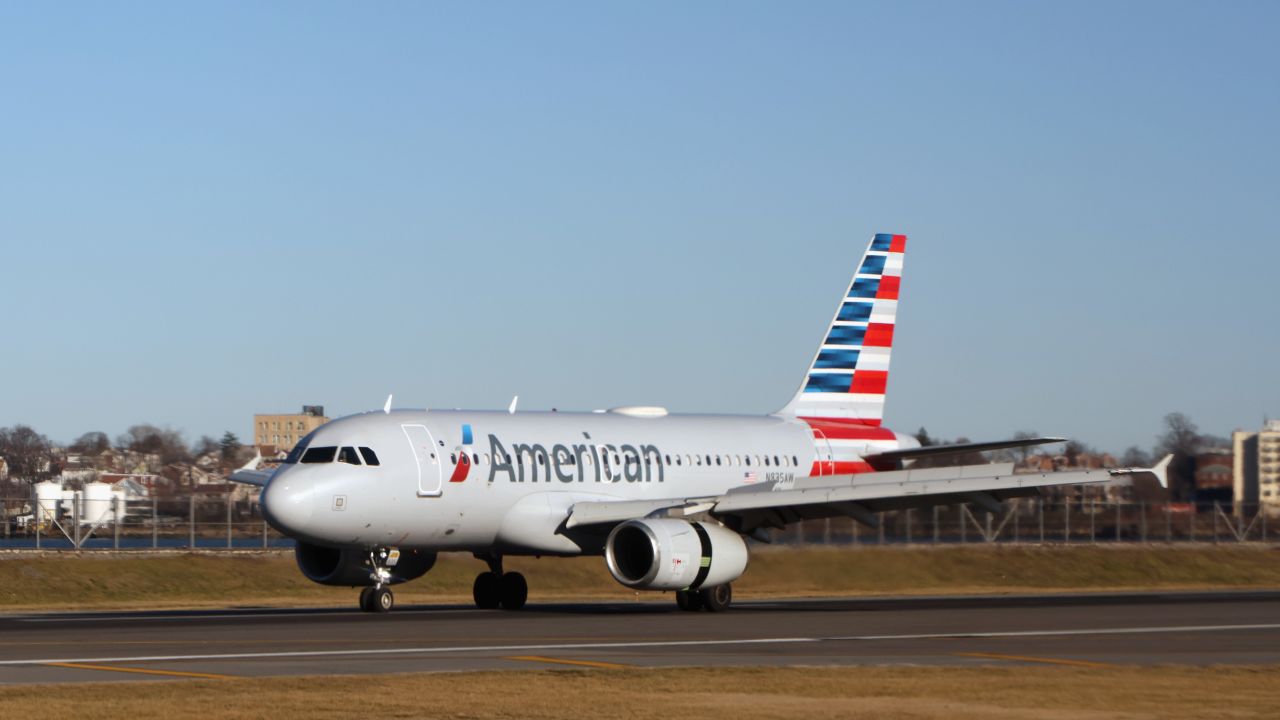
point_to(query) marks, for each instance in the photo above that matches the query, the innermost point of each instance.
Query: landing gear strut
(378, 599)
(713, 599)
(496, 588)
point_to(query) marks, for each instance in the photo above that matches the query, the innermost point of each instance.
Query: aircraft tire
(381, 600)
(716, 599)
(487, 591)
(515, 591)
(688, 600)
(365, 605)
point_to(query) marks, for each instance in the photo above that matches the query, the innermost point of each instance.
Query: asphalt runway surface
(1204, 628)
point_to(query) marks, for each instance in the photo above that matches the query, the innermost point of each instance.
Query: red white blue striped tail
(847, 378)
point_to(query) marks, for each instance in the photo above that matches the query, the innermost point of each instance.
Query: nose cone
(288, 505)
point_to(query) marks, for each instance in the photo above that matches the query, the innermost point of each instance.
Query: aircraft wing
(249, 474)
(859, 496)
(959, 449)
(251, 477)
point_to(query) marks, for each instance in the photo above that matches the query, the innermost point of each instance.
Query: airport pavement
(1084, 630)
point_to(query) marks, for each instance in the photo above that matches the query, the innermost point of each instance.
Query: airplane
(669, 500)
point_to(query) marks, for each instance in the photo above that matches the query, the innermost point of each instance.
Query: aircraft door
(426, 454)
(826, 464)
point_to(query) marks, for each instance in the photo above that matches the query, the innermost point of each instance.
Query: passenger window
(318, 455)
(475, 458)
(775, 461)
(748, 459)
(766, 461)
(369, 457)
(717, 460)
(348, 455)
(795, 462)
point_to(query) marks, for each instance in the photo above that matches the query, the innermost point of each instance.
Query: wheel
(515, 591)
(716, 599)
(487, 591)
(365, 605)
(381, 599)
(688, 600)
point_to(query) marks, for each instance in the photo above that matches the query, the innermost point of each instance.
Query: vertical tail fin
(851, 368)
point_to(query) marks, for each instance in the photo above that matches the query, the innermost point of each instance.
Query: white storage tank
(95, 503)
(48, 494)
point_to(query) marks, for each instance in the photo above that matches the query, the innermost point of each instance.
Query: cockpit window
(348, 455)
(296, 453)
(369, 457)
(319, 454)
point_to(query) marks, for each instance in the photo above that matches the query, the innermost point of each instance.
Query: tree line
(31, 457)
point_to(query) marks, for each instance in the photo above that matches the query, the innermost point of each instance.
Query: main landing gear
(496, 588)
(714, 599)
(378, 599)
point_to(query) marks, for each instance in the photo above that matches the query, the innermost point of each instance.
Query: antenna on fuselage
(386, 406)
(511, 409)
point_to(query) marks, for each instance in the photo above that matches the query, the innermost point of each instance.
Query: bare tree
(206, 445)
(1181, 439)
(28, 454)
(149, 439)
(91, 443)
(1135, 456)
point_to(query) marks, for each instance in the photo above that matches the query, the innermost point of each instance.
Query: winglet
(511, 409)
(386, 406)
(253, 462)
(1161, 471)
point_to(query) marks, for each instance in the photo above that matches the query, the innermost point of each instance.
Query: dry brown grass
(97, 580)
(783, 693)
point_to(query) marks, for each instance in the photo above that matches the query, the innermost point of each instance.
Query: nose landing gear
(378, 598)
(496, 588)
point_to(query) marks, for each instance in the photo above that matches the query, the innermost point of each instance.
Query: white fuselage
(498, 481)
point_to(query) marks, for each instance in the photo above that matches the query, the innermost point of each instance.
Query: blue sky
(210, 210)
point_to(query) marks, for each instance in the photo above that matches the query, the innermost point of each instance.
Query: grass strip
(980, 693)
(108, 580)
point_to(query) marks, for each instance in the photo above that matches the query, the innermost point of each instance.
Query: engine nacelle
(351, 568)
(670, 554)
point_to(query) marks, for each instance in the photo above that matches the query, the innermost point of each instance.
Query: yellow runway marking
(559, 661)
(142, 671)
(1047, 661)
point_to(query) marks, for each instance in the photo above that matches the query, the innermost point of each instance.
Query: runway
(1079, 630)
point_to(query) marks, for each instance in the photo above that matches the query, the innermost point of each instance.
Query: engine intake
(351, 568)
(671, 554)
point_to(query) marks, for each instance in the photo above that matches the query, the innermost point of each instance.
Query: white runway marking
(515, 649)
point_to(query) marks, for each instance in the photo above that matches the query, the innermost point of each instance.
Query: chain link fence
(191, 521)
(211, 522)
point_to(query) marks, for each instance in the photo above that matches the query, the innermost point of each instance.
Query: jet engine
(351, 568)
(666, 554)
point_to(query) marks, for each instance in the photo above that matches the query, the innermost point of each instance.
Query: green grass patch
(106, 580)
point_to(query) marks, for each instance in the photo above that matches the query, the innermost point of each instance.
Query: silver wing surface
(775, 505)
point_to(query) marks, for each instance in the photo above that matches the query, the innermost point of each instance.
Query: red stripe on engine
(888, 287)
(898, 244)
(878, 335)
(869, 382)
